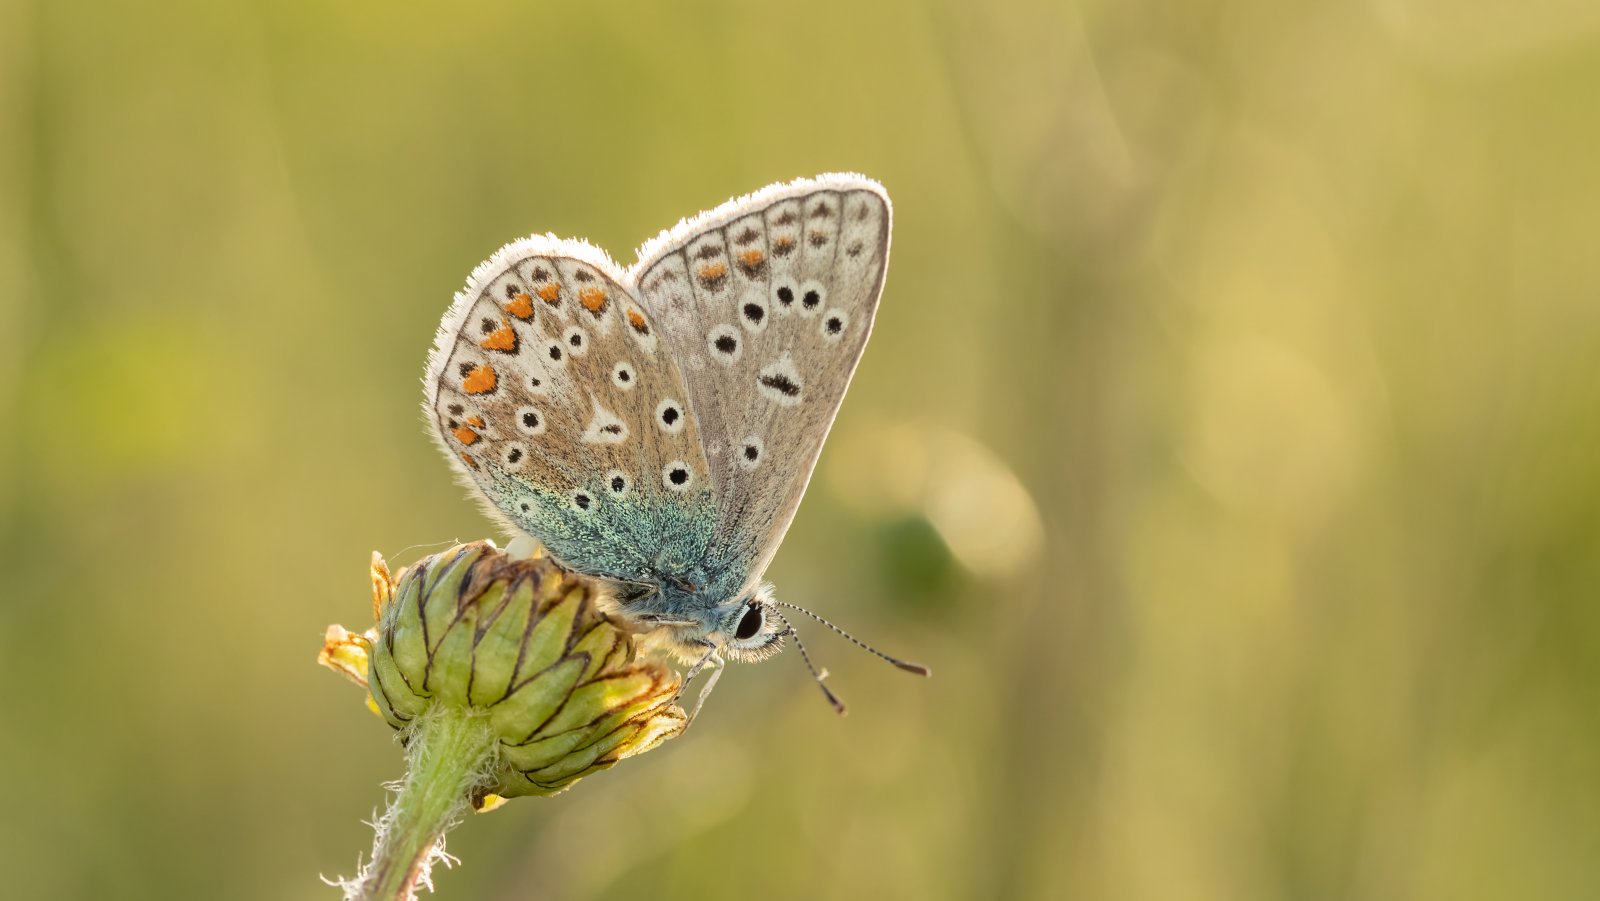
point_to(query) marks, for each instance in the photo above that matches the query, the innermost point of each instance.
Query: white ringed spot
(582, 500)
(750, 452)
(811, 295)
(530, 420)
(833, 325)
(780, 382)
(670, 416)
(576, 340)
(604, 427)
(753, 313)
(785, 295)
(513, 456)
(675, 476)
(726, 344)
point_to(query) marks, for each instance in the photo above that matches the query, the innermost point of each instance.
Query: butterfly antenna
(819, 675)
(906, 665)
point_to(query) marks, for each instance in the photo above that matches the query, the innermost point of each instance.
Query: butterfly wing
(552, 393)
(767, 302)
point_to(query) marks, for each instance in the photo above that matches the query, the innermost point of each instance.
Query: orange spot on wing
(784, 243)
(502, 338)
(465, 435)
(521, 307)
(480, 380)
(714, 270)
(636, 319)
(752, 257)
(475, 421)
(550, 293)
(467, 459)
(593, 299)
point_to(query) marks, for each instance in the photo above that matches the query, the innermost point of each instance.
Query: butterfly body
(656, 427)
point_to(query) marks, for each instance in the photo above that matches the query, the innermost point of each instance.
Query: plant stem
(447, 753)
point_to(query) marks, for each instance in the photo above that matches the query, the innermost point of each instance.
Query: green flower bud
(521, 643)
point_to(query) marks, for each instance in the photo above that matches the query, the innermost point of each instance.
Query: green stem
(447, 753)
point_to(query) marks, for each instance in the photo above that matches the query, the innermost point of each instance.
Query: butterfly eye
(750, 623)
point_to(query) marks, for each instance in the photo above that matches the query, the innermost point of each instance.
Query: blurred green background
(1227, 444)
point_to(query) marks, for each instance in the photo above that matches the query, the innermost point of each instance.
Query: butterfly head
(750, 628)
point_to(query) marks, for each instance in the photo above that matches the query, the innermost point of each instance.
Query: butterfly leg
(713, 660)
(630, 592)
(662, 620)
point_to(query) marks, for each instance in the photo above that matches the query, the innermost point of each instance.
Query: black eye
(749, 624)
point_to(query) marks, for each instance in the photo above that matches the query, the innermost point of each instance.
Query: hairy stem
(448, 752)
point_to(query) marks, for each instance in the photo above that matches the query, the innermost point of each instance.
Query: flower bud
(522, 643)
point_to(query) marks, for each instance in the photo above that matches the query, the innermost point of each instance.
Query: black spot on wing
(782, 384)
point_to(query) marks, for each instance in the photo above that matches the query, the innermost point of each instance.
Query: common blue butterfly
(656, 426)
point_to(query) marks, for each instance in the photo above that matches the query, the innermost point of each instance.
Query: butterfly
(656, 426)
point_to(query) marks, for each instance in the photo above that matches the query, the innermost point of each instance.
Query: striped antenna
(906, 665)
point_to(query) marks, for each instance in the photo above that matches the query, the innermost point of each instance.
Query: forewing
(767, 302)
(551, 391)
